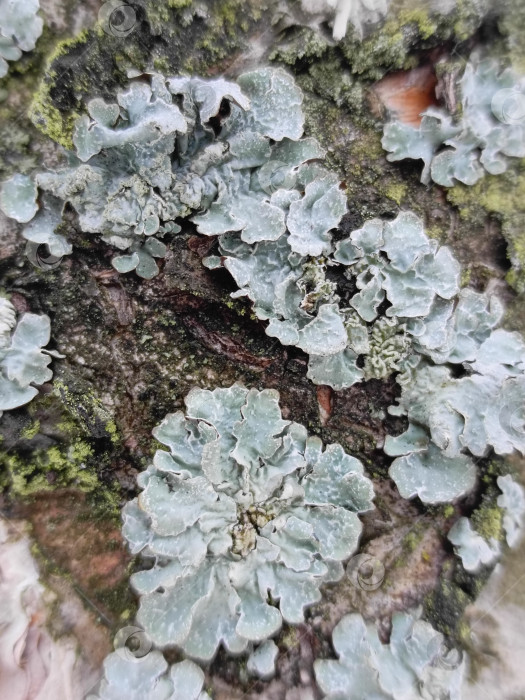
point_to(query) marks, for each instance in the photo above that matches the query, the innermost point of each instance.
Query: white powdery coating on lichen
(244, 506)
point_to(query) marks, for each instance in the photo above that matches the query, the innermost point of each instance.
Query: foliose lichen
(451, 416)
(392, 262)
(473, 549)
(23, 361)
(242, 520)
(415, 664)
(512, 500)
(20, 27)
(230, 157)
(489, 129)
(227, 156)
(149, 677)
(261, 662)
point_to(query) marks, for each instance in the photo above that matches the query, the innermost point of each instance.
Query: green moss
(305, 44)
(119, 599)
(331, 80)
(49, 120)
(501, 196)
(18, 136)
(426, 26)
(371, 58)
(393, 45)
(396, 192)
(488, 521)
(448, 510)
(44, 115)
(445, 606)
(504, 195)
(289, 638)
(165, 37)
(411, 540)
(493, 469)
(31, 430)
(112, 431)
(45, 470)
(512, 25)
(161, 64)
(466, 275)
(228, 23)
(86, 409)
(106, 501)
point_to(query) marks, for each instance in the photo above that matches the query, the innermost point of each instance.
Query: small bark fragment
(325, 401)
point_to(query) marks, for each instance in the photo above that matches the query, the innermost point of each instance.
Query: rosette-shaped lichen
(454, 417)
(490, 128)
(243, 520)
(230, 157)
(20, 27)
(23, 362)
(415, 664)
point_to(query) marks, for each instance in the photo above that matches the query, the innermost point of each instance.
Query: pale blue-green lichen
(415, 663)
(244, 506)
(473, 549)
(20, 27)
(431, 475)
(489, 129)
(512, 500)
(165, 151)
(250, 179)
(454, 417)
(23, 362)
(392, 262)
(149, 676)
(261, 662)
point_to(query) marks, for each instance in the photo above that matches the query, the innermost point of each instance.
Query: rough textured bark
(134, 348)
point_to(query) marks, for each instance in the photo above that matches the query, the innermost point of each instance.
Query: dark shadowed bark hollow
(134, 348)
